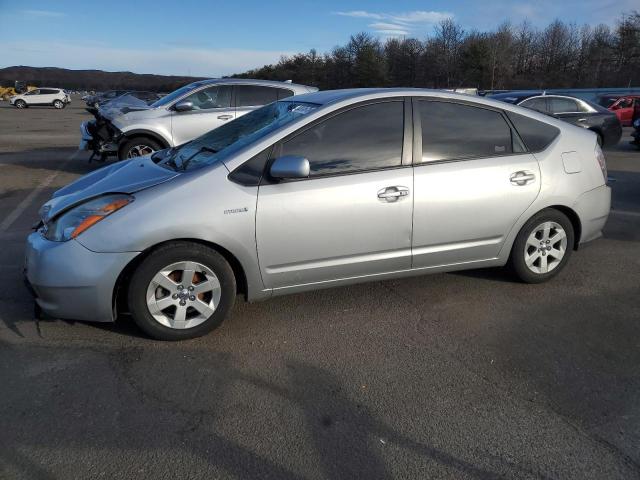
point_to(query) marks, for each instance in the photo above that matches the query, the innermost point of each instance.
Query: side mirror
(183, 106)
(290, 166)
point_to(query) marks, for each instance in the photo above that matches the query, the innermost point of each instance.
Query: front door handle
(225, 117)
(522, 178)
(393, 194)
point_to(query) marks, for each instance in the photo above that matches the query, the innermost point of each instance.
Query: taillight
(601, 162)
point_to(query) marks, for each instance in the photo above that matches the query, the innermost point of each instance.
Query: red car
(623, 107)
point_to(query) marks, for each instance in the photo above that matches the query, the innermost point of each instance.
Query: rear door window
(255, 95)
(455, 131)
(563, 105)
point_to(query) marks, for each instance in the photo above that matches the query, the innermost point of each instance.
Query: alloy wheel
(545, 248)
(183, 295)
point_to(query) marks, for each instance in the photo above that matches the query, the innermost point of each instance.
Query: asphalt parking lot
(465, 375)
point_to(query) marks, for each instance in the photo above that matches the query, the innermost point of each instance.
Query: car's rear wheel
(138, 147)
(59, 104)
(182, 290)
(543, 246)
(20, 104)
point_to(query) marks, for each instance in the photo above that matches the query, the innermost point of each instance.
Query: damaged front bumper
(100, 137)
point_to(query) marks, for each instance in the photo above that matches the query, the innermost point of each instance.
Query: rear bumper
(71, 282)
(593, 209)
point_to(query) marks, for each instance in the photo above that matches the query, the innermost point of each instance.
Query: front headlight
(75, 221)
(637, 123)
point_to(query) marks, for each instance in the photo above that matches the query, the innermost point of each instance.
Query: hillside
(91, 79)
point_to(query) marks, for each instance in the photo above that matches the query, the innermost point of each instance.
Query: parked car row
(102, 98)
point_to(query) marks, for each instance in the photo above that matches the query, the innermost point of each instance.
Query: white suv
(129, 128)
(55, 97)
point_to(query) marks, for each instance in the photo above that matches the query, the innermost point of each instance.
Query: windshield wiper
(185, 163)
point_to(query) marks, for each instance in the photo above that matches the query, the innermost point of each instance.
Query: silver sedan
(315, 191)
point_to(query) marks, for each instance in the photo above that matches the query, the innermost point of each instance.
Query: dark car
(574, 110)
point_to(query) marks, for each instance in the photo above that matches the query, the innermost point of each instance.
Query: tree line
(562, 55)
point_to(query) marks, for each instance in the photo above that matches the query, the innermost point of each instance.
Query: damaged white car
(129, 127)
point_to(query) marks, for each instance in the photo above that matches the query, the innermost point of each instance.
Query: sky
(215, 38)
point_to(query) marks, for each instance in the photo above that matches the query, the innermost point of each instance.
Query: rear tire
(138, 147)
(169, 306)
(543, 246)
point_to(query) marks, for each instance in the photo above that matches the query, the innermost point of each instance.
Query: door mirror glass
(290, 166)
(183, 106)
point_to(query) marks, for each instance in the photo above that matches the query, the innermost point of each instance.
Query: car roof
(250, 81)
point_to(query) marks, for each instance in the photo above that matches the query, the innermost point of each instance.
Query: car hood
(127, 176)
(121, 106)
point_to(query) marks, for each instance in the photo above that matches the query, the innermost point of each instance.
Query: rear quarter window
(536, 135)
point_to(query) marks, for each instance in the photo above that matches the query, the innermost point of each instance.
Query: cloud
(360, 14)
(171, 60)
(43, 13)
(398, 24)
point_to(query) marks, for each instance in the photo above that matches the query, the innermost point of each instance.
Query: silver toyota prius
(314, 191)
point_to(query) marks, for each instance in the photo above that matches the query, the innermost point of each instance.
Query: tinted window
(563, 105)
(48, 91)
(252, 95)
(535, 134)
(212, 97)
(363, 138)
(606, 102)
(250, 172)
(284, 93)
(537, 103)
(451, 130)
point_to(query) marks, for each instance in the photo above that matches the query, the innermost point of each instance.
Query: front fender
(201, 205)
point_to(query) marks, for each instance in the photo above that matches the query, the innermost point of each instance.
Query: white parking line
(26, 202)
(626, 213)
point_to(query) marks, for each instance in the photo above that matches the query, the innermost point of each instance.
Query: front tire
(543, 246)
(58, 104)
(138, 147)
(182, 290)
(20, 104)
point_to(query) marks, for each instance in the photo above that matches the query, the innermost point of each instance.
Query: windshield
(167, 99)
(231, 137)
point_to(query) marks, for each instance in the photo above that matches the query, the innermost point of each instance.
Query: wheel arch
(145, 134)
(575, 222)
(119, 295)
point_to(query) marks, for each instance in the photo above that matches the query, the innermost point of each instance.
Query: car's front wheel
(181, 290)
(138, 147)
(20, 104)
(543, 246)
(59, 104)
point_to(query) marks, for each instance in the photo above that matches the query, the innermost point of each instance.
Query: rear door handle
(392, 194)
(225, 117)
(522, 177)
